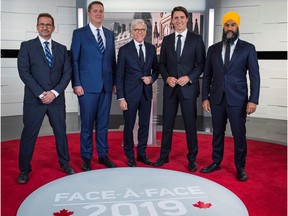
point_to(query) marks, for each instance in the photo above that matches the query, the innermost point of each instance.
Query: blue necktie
(178, 46)
(141, 55)
(100, 41)
(48, 54)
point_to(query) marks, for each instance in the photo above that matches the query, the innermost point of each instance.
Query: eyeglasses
(47, 25)
(139, 30)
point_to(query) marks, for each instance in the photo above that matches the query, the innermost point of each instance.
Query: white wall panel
(263, 23)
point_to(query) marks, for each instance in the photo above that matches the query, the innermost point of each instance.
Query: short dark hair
(92, 3)
(179, 8)
(45, 15)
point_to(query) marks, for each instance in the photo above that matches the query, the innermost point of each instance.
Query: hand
(147, 79)
(48, 97)
(206, 105)
(183, 80)
(114, 89)
(171, 81)
(250, 108)
(123, 104)
(78, 90)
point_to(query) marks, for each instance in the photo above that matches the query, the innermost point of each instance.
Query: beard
(230, 39)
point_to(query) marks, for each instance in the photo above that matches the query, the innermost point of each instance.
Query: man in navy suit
(182, 60)
(225, 91)
(45, 80)
(137, 69)
(93, 77)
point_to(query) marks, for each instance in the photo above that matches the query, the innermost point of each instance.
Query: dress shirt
(143, 48)
(232, 48)
(183, 38)
(42, 40)
(94, 31)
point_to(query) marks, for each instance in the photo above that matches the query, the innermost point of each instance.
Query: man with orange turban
(225, 92)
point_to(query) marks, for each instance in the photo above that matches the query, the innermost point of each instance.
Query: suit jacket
(191, 63)
(129, 72)
(216, 79)
(38, 76)
(91, 69)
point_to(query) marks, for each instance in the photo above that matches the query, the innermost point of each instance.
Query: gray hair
(136, 22)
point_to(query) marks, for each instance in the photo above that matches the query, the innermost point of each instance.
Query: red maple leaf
(201, 205)
(63, 212)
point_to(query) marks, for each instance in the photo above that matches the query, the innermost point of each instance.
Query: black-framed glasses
(139, 30)
(47, 25)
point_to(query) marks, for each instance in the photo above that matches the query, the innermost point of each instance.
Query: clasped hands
(48, 97)
(172, 81)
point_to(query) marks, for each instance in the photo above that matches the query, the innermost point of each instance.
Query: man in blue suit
(44, 67)
(137, 69)
(93, 77)
(225, 91)
(181, 63)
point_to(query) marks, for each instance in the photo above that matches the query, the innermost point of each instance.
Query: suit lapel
(41, 50)
(91, 36)
(134, 52)
(172, 45)
(236, 52)
(186, 44)
(54, 52)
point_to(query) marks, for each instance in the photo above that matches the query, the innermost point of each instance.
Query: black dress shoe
(107, 162)
(212, 167)
(23, 177)
(86, 165)
(67, 169)
(242, 175)
(192, 166)
(160, 162)
(131, 162)
(144, 160)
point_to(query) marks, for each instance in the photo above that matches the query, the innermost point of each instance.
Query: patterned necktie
(48, 54)
(227, 56)
(178, 46)
(141, 55)
(100, 41)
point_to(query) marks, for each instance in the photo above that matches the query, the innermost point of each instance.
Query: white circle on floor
(132, 192)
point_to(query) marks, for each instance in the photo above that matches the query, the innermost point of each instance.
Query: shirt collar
(137, 43)
(184, 33)
(92, 27)
(42, 40)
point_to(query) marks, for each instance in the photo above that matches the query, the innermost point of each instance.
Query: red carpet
(264, 194)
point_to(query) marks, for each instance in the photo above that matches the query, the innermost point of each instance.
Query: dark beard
(232, 39)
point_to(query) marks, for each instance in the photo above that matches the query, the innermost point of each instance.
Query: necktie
(178, 46)
(227, 56)
(48, 54)
(100, 41)
(141, 55)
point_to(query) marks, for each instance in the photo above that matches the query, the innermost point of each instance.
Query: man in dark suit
(93, 77)
(137, 69)
(44, 67)
(225, 91)
(182, 60)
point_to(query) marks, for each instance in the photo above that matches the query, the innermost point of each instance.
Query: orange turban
(231, 15)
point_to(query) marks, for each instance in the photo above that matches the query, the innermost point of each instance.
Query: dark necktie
(48, 54)
(227, 56)
(141, 55)
(100, 41)
(178, 46)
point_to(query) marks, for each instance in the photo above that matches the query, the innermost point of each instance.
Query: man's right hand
(206, 105)
(78, 90)
(171, 81)
(123, 104)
